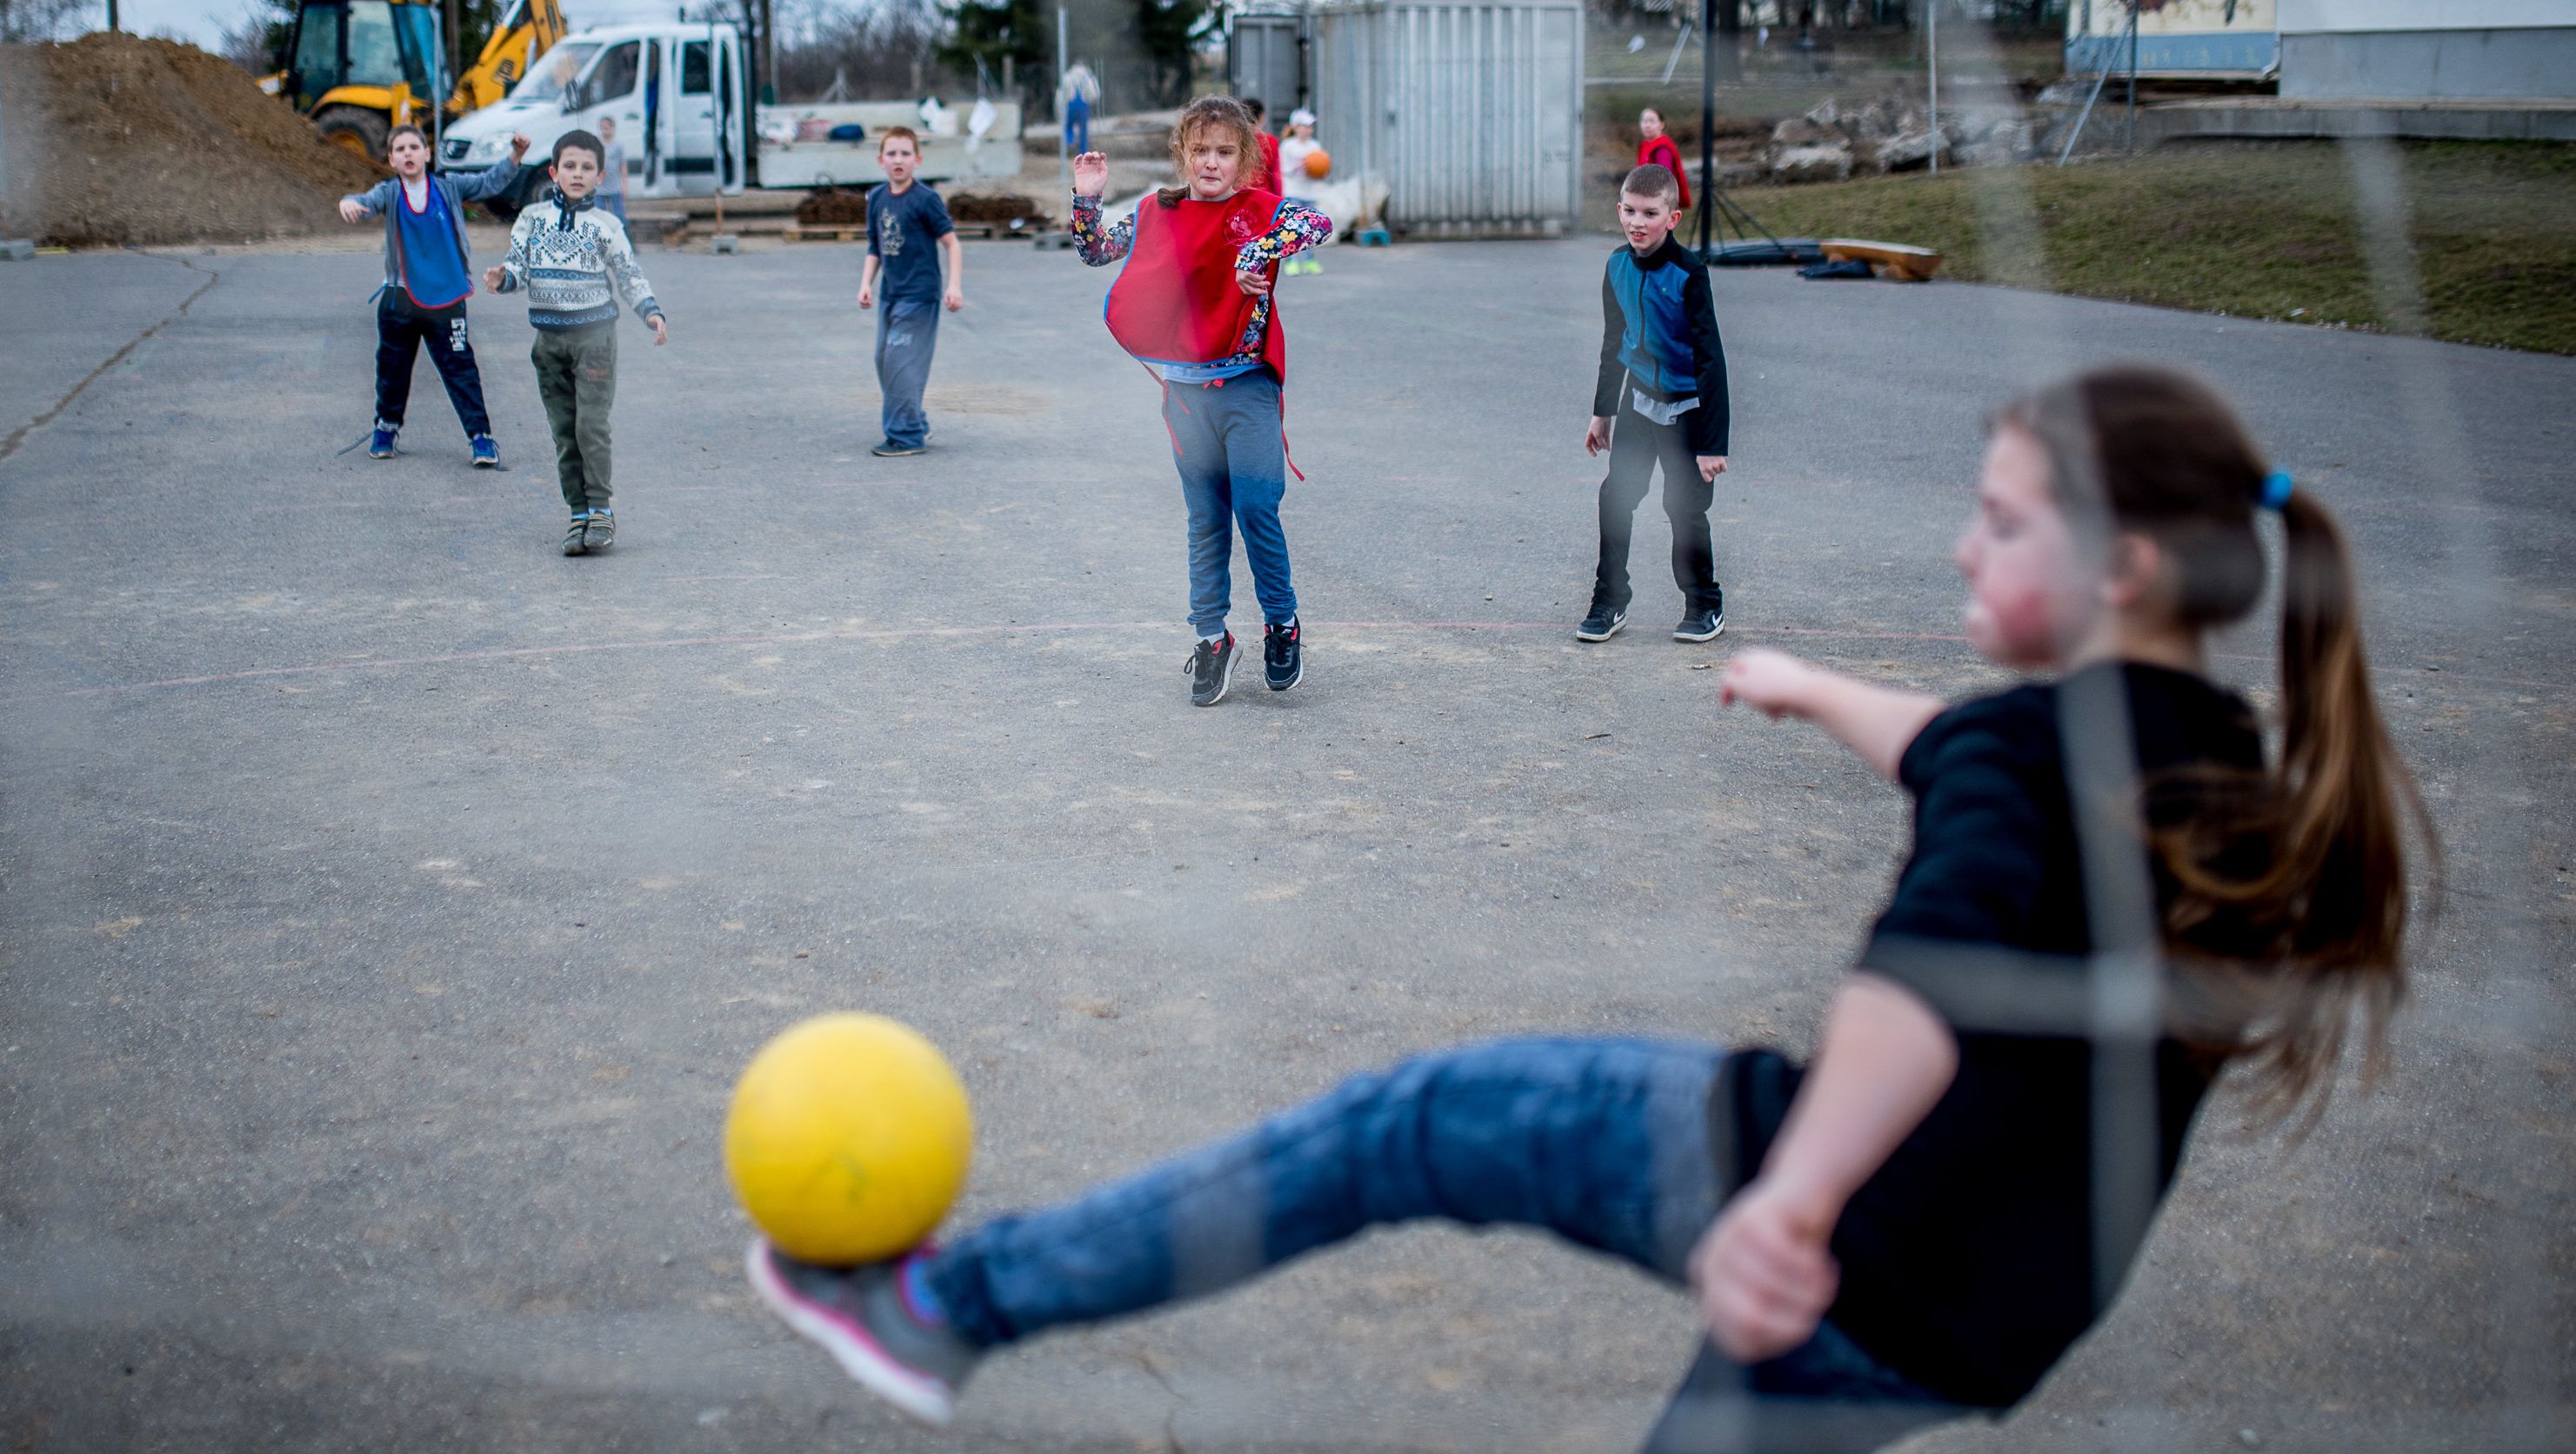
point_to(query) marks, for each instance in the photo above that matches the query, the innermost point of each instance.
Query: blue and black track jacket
(1659, 328)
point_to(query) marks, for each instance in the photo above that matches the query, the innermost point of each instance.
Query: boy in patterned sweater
(575, 263)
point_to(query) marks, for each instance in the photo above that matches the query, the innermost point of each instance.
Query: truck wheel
(355, 130)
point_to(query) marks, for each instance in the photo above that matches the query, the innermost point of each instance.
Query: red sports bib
(1175, 302)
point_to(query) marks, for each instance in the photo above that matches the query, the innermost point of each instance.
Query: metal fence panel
(1471, 113)
(1262, 58)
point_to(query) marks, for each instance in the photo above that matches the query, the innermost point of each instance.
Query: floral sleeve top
(1298, 228)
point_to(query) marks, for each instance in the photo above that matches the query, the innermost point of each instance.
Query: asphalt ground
(389, 901)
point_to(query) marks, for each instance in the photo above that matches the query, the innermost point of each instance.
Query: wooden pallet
(826, 232)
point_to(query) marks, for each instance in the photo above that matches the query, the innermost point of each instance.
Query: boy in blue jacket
(1660, 397)
(427, 281)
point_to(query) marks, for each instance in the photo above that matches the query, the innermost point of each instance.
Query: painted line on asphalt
(851, 634)
(1067, 628)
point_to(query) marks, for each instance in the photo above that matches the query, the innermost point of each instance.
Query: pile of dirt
(117, 139)
(832, 207)
(997, 209)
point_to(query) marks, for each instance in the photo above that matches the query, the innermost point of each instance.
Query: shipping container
(1265, 56)
(1470, 113)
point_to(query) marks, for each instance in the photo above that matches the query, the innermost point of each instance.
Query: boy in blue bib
(427, 281)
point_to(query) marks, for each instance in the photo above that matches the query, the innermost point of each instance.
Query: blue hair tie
(2276, 491)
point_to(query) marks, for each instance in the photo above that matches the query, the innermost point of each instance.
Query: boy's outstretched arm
(1877, 723)
(495, 179)
(627, 277)
(359, 206)
(1763, 1270)
(510, 274)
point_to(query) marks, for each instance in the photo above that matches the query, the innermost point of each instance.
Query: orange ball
(1318, 162)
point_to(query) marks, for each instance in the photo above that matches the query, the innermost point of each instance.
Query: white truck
(682, 99)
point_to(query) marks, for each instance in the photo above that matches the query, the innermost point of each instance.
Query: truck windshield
(551, 76)
(375, 56)
(317, 50)
(424, 61)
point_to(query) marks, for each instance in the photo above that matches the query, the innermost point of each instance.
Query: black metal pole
(1707, 120)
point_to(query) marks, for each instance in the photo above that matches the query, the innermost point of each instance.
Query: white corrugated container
(1471, 112)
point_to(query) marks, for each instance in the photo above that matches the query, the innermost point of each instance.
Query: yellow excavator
(527, 30)
(360, 68)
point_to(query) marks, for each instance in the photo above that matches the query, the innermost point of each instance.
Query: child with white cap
(1294, 148)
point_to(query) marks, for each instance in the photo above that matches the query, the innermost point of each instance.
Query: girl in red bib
(1193, 305)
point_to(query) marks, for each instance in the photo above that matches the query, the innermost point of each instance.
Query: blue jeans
(1234, 468)
(1077, 126)
(1607, 1143)
(613, 203)
(907, 331)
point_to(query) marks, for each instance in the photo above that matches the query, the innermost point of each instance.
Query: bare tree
(25, 22)
(257, 37)
(887, 49)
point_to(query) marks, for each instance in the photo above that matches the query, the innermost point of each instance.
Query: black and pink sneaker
(860, 1316)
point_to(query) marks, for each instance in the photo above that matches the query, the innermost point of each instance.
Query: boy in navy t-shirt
(905, 221)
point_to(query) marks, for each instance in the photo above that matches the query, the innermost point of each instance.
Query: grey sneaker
(602, 532)
(858, 1315)
(892, 450)
(577, 534)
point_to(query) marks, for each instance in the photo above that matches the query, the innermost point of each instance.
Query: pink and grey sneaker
(863, 1319)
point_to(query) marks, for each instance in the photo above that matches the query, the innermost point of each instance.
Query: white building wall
(2456, 49)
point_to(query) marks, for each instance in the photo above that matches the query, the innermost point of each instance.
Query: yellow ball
(848, 1138)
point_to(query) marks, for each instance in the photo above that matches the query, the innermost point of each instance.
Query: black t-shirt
(1967, 1261)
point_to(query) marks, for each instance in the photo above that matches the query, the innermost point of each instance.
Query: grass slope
(2259, 230)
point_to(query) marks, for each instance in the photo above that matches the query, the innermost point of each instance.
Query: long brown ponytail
(2309, 862)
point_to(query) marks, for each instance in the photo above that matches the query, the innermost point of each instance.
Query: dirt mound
(122, 140)
(999, 209)
(832, 207)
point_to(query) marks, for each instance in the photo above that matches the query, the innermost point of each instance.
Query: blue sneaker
(380, 445)
(576, 535)
(487, 455)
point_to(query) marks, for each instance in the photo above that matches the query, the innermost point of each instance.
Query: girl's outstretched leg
(1605, 1142)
